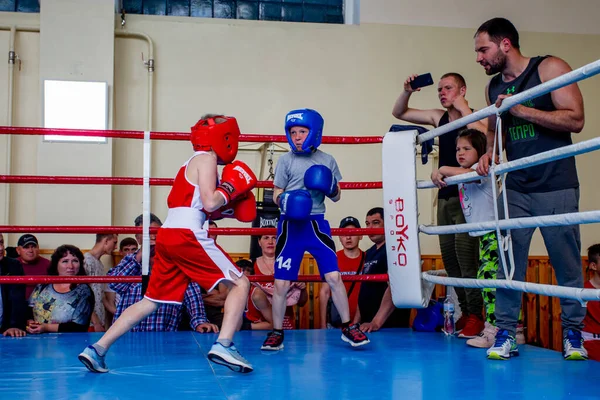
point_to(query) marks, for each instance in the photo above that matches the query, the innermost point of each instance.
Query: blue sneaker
(92, 360)
(573, 349)
(229, 357)
(504, 347)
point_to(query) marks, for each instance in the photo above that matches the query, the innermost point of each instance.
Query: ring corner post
(400, 203)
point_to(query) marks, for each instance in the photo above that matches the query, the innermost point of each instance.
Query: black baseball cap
(349, 221)
(27, 239)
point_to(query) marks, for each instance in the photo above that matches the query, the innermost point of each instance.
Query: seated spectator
(375, 307)
(212, 225)
(105, 245)
(214, 301)
(29, 256)
(110, 300)
(259, 309)
(13, 306)
(591, 322)
(127, 246)
(11, 252)
(246, 266)
(62, 307)
(350, 261)
(168, 316)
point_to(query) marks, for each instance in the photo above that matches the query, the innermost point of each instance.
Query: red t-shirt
(591, 322)
(348, 266)
(40, 267)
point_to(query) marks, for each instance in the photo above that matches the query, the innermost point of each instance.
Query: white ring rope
(564, 80)
(586, 146)
(582, 295)
(584, 217)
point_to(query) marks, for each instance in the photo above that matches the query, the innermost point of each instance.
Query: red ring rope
(33, 279)
(101, 180)
(132, 229)
(125, 134)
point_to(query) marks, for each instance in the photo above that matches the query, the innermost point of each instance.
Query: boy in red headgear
(185, 253)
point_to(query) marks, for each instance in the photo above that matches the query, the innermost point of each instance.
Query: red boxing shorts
(184, 255)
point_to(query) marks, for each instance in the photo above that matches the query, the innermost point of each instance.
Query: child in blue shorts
(303, 177)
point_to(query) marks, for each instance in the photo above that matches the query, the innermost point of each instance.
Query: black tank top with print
(524, 138)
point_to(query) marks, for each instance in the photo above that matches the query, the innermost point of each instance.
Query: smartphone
(422, 81)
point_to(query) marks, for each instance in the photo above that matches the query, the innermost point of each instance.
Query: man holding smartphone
(459, 251)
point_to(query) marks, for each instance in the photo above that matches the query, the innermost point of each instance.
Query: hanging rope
(504, 242)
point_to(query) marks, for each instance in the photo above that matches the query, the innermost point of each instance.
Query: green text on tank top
(520, 130)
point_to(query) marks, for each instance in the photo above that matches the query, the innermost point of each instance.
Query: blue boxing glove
(295, 204)
(319, 177)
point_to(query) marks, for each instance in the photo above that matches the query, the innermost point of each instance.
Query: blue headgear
(307, 118)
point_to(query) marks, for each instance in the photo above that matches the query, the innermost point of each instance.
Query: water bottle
(448, 328)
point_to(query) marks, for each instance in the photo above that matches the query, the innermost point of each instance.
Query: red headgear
(222, 138)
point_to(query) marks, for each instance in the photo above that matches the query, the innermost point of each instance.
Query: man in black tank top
(459, 251)
(537, 125)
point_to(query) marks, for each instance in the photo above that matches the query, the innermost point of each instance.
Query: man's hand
(438, 179)
(407, 87)
(368, 327)
(517, 110)
(207, 327)
(462, 105)
(14, 332)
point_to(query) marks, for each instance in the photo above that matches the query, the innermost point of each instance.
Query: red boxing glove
(243, 209)
(223, 212)
(236, 180)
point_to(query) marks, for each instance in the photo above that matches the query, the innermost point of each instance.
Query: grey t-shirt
(290, 170)
(94, 267)
(477, 201)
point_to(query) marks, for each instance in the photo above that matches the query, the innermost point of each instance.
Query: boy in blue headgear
(303, 177)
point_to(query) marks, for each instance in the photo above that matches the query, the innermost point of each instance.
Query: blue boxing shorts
(294, 237)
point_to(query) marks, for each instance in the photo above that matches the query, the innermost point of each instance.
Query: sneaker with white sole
(92, 360)
(229, 357)
(504, 347)
(486, 338)
(354, 336)
(573, 349)
(273, 342)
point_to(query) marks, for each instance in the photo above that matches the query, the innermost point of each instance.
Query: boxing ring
(398, 363)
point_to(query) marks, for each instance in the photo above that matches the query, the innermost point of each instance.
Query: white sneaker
(504, 347)
(573, 346)
(486, 338)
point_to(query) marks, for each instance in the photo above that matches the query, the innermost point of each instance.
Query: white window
(75, 105)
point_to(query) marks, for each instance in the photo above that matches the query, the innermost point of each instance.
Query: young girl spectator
(62, 307)
(477, 202)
